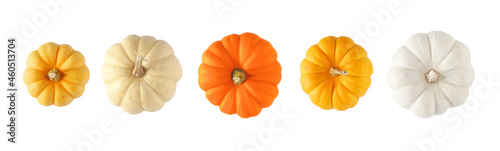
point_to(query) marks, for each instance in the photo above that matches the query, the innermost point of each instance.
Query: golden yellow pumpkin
(335, 73)
(55, 74)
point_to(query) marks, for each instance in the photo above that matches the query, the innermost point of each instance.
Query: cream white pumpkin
(141, 73)
(431, 73)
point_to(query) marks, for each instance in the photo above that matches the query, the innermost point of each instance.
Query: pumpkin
(431, 73)
(335, 73)
(55, 74)
(140, 73)
(240, 74)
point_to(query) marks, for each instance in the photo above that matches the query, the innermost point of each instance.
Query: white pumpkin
(140, 73)
(431, 73)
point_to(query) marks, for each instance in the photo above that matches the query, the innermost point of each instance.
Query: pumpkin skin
(335, 73)
(240, 74)
(141, 74)
(431, 73)
(55, 74)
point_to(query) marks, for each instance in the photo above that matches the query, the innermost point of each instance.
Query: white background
(190, 122)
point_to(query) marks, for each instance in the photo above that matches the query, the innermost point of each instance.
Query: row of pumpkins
(240, 73)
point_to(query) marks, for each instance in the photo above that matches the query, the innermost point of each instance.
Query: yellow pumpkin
(55, 74)
(335, 73)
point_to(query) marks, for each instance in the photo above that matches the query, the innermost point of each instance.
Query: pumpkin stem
(432, 76)
(54, 75)
(239, 76)
(336, 72)
(139, 70)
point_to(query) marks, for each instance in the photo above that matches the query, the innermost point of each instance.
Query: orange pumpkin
(240, 74)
